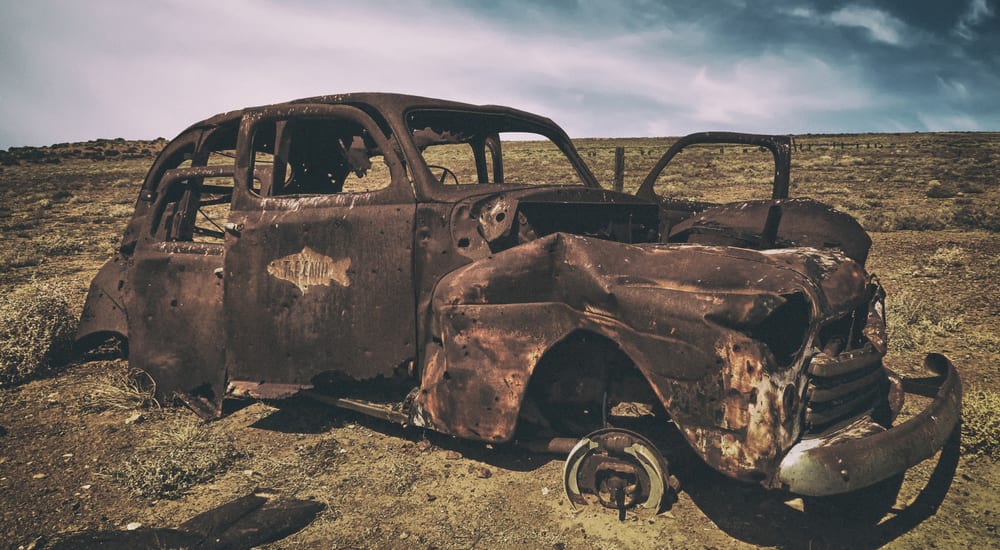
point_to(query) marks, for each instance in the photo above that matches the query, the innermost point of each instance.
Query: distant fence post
(619, 169)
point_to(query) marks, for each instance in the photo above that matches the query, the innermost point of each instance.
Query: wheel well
(578, 381)
(102, 345)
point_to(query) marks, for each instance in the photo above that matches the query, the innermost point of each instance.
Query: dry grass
(37, 325)
(121, 388)
(949, 256)
(171, 462)
(981, 422)
(915, 321)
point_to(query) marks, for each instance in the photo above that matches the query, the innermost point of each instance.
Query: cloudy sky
(73, 71)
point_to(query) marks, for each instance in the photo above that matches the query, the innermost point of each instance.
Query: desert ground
(82, 446)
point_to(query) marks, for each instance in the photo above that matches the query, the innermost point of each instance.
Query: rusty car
(391, 255)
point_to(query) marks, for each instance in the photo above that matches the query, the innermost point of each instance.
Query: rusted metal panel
(174, 300)
(318, 289)
(104, 314)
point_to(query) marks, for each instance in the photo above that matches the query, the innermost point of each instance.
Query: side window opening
(194, 188)
(724, 173)
(316, 157)
(195, 204)
(214, 203)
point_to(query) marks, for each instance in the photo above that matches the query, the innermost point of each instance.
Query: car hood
(732, 286)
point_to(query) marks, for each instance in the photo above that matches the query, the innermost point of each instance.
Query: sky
(75, 71)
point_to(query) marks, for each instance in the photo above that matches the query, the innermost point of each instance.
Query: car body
(392, 255)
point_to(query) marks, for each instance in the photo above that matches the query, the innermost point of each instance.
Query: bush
(981, 422)
(51, 245)
(971, 188)
(914, 321)
(977, 217)
(171, 462)
(120, 388)
(36, 330)
(938, 190)
(948, 256)
(917, 219)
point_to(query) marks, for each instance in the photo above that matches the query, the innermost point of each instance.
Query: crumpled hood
(733, 286)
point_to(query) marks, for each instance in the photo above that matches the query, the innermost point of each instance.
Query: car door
(318, 285)
(173, 291)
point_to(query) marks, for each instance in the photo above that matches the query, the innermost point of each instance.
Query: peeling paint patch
(310, 268)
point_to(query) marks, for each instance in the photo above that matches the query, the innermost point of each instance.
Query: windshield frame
(499, 120)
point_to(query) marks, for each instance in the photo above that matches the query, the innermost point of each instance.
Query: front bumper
(864, 454)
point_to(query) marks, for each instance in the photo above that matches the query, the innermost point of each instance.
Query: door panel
(175, 319)
(318, 269)
(320, 289)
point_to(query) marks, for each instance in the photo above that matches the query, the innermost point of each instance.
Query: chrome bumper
(864, 454)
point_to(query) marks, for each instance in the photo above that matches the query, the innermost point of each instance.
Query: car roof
(385, 103)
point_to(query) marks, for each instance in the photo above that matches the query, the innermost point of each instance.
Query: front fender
(476, 374)
(681, 313)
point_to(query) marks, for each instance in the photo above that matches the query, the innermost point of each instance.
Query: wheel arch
(583, 368)
(104, 315)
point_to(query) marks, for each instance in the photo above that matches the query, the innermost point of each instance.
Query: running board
(377, 410)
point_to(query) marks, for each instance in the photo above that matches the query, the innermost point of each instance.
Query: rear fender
(104, 312)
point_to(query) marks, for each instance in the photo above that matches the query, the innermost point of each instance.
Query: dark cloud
(111, 68)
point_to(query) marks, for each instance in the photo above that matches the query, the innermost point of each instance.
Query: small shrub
(913, 321)
(948, 256)
(938, 190)
(13, 259)
(920, 219)
(120, 388)
(171, 462)
(981, 422)
(36, 330)
(51, 245)
(877, 221)
(61, 195)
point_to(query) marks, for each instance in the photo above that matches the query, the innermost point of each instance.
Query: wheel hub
(616, 468)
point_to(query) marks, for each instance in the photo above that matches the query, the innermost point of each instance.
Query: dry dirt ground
(76, 455)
